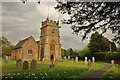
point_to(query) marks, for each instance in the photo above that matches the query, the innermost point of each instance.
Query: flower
(35, 77)
(9, 74)
(33, 74)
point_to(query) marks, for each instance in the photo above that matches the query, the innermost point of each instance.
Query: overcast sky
(20, 21)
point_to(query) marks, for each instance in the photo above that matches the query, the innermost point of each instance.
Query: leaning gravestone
(19, 64)
(93, 59)
(25, 65)
(86, 62)
(33, 65)
(76, 59)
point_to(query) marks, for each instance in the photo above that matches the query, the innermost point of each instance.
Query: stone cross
(93, 59)
(25, 65)
(76, 59)
(33, 65)
(19, 64)
(68, 57)
(86, 62)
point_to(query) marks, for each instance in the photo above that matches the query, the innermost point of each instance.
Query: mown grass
(66, 69)
(112, 74)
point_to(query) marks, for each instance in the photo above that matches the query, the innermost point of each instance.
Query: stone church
(47, 48)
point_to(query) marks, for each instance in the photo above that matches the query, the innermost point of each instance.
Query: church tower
(50, 47)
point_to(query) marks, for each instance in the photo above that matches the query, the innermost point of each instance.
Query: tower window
(30, 51)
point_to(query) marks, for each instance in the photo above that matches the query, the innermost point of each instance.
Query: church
(47, 48)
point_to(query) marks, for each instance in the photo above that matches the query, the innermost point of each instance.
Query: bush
(99, 56)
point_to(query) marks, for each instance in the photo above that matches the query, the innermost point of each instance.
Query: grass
(66, 69)
(112, 73)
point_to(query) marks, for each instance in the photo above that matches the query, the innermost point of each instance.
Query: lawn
(66, 69)
(112, 73)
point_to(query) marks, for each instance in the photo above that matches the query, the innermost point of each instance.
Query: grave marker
(68, 57)
(25, 65)
(18, 64)
(89, 65)
(76, 59)
(33, 65)
(93, 59)
(86, 62)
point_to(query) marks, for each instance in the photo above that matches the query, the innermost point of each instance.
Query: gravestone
(6, 59)
(33, 65)
(86, 62)
(89, 65)
(25, 65)
(112, 61)
(93, 59)
(72, 59)
(68, 57)
(9, 57)
(65, 58)
(76, 59)
(19, 64)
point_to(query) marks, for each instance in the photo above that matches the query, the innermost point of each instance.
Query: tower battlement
(50, 22)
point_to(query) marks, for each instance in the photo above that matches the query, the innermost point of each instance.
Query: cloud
(23, 20)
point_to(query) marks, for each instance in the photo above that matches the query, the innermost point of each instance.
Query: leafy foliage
(6, 46)
(88, 17)
(99, 43)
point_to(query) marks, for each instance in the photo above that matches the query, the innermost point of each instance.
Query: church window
(30, 51)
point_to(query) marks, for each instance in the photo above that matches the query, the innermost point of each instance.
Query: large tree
(88, 17)
(99, 43)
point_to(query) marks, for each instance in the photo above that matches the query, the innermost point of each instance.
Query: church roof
(20, 43)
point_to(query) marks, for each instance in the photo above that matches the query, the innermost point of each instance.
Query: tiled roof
(20, 43)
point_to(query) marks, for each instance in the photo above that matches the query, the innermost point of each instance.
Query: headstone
(89, 65)
(25, 65)
(76, 59)
(65, 57)
(68, 57)
(93, 59)
(19, 64)
(86, 62)
(112, 61)
(72, 60)
(6, 59)
(33, 65)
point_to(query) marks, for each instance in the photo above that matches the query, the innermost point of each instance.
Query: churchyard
(63, 69)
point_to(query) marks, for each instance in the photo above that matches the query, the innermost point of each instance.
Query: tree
(99, 43)
(63, 52)
(88, 17)
(6, 46)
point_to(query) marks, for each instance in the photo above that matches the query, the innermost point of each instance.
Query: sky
(20, 21)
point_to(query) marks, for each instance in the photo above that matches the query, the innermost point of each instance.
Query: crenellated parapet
(48, 22)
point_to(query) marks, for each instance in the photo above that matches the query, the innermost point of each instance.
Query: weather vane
(24, 1)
